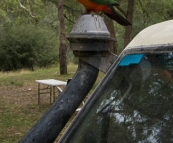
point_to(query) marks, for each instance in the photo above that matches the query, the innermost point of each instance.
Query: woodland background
(32, 36)
(32, 32)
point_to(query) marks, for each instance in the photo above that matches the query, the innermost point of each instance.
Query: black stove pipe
(50, 125)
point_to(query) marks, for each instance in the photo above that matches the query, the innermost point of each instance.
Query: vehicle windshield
(136, 105)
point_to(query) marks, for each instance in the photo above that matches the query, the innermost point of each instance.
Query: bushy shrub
(26, 46)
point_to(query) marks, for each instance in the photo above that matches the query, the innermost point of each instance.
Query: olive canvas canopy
(158, 34)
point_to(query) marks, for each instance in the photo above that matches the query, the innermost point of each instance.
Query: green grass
(15, 120)
(19, 78)
(19, 110)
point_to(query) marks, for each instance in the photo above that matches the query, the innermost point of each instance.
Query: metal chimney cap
(91, 27)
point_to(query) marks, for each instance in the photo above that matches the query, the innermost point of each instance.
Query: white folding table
(51, 85)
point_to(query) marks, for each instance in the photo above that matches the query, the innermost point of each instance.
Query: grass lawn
(19, 110)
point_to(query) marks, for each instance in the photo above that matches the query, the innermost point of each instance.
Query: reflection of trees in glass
(135, 106)
(146, 113)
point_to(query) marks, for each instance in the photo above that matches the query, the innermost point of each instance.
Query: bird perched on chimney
(106, 7)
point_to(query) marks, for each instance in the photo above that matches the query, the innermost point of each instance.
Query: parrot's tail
(113, 14)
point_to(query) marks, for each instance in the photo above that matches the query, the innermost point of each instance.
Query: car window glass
(136, 105)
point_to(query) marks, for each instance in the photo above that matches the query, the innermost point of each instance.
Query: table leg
(53, 93)
(38, 93)
(50, 94)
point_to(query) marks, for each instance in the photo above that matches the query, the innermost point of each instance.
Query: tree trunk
(129, 16)
(62, 40)
(110, 25)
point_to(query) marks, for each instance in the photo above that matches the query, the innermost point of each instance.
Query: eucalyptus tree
(25, 34)
(151, 12)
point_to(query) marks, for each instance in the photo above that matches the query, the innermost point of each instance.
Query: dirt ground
(21, 97)
(27, 94)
